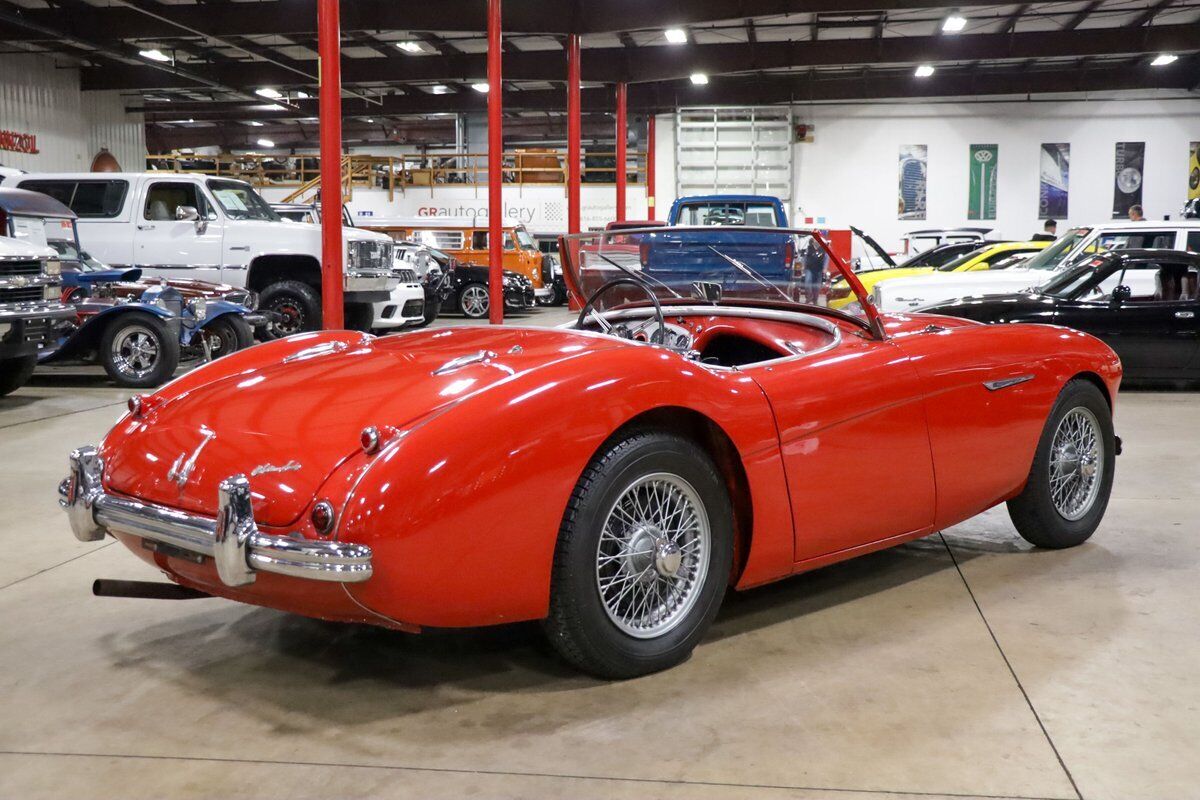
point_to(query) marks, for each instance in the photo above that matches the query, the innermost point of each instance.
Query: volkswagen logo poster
(981, 191)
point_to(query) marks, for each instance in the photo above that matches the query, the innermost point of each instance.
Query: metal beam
(651, 64)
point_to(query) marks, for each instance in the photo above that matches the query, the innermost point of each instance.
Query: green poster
(981, 199)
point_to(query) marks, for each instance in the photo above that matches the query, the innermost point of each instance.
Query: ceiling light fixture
(1164, 59)
(154, 55)
(370, 120)
(254, 123)
(439, 89)
(482, 88)
(954, 23)
(268, 92)
(924, 71)
(303, 95)
(676, 35)
(699, 78)
(265, 143)
(409, 47)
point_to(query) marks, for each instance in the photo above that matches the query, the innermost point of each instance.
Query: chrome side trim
(232, 539)
(1004, 383)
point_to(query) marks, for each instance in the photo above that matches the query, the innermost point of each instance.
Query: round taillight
(136, 404)
(369, 439)
(323, 517)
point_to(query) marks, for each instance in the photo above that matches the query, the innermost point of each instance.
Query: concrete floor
(963, 665)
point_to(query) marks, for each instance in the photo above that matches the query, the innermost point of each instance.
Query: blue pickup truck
(776, 261)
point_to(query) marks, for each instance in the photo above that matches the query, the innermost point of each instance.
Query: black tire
(138, 351)
(471, 303)
(299, 303)
(359, 316)
(1034, 512)
(432, 309)
(227, 334)
(579, 625)
(15, 373)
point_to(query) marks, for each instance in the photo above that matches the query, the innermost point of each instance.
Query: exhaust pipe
(146, 590)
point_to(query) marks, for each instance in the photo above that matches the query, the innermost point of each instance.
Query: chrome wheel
(474, 301)
(1076, 464)
(135, 352)
(653, 555)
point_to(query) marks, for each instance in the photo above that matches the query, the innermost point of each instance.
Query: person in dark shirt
(1049, 232)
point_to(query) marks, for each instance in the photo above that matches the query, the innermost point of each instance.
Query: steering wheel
(589, 308)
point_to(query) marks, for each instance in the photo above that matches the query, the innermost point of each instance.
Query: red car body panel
(860, 446)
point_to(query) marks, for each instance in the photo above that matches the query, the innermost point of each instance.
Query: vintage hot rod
(698, 443)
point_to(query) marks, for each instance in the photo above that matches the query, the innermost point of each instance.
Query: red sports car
(611, 478)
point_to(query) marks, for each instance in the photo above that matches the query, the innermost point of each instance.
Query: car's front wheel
(1069, 483)
(138, 351)
(15, 373)
(474, 301)
(227, 334)
(297, 306)
(643, 557)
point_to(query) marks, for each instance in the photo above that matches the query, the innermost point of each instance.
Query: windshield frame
(873, 322)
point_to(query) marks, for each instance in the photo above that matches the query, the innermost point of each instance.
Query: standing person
(814, 271)
(1049, 232)
(1135, 213)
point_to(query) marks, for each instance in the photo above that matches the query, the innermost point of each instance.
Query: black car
(1144, 304)
(454, 287)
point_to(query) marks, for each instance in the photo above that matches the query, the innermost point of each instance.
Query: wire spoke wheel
(653, 555)
(1076, 463)
(135, 351)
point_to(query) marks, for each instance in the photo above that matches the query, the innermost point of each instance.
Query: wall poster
(1055, 181)
(914, 160)
(1127, 188)
(1194, 171)
(981, 191)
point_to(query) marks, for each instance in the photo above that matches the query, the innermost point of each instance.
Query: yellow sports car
(983, 257)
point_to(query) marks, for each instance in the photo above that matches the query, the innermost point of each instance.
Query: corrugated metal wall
(40, 97)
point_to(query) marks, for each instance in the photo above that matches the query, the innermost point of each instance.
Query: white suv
(186, 225)
(912, 294)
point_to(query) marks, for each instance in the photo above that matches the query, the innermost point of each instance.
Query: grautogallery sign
(17, 142)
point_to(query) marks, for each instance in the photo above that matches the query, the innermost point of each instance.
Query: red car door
(855, 444)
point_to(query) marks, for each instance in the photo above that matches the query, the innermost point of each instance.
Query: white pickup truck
(30, 306)
(182, 225)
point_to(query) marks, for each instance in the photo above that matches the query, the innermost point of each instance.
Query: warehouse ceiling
(199, 70)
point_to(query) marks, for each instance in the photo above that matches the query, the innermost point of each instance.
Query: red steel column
(622, 135)
(650, 168)
(574, 134)
(330, 50)
(495, 178)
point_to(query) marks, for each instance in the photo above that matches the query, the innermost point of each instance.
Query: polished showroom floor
(963, 665)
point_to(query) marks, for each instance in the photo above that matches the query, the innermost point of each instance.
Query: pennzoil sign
(18, 142)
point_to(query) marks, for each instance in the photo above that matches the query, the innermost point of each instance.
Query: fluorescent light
(482, 88)
(268, 92)
(370, 120)
(303, 95)
(265, 143)
(954, 23)
(154, 55)
(254, 123)
(924, 71)
(439, 89)
(676, 35)
(699, 78)
(1164, 59)
(409, 47)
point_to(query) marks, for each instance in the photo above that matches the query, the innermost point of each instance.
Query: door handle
(1185, 315)
(145, 227)
(245, 247)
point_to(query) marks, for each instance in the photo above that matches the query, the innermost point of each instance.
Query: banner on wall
(914, 161)
(981, 192)
(1055, 181)
(1127, 188)
(1194, 171)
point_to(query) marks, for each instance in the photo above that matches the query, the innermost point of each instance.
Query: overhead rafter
(651, 64)
(1082, 15)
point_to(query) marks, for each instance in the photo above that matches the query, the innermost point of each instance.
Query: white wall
(40, 97)
(849, 174)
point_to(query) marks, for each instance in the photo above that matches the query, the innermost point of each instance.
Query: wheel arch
(712, 438)
(1098, 382)
(269, 269)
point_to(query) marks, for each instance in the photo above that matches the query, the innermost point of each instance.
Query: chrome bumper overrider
(232, 539)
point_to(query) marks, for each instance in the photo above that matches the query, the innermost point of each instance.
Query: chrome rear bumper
(232, 539)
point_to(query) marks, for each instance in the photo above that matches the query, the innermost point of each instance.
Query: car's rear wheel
(138, 351)
(227, 334)
(1069, 483)
(473, 301)
(643, 557)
